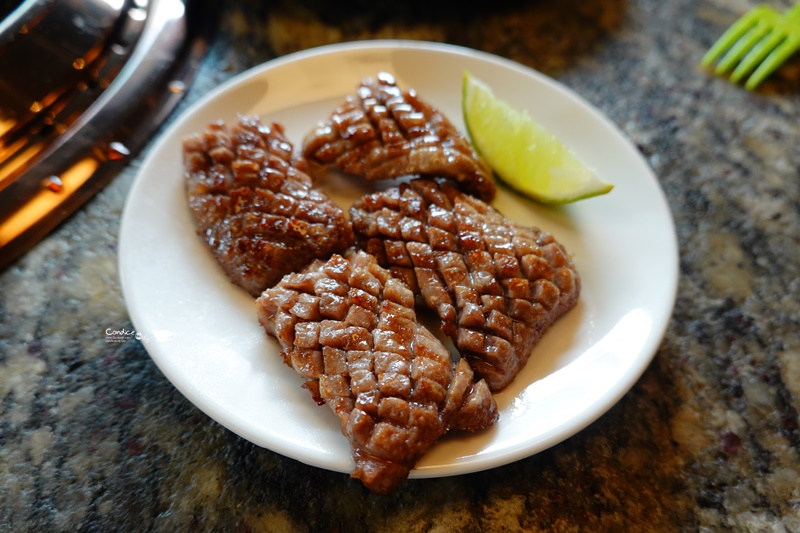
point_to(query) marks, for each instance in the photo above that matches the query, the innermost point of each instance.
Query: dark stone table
(94, 438)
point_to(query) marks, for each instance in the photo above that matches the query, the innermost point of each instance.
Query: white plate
(202, 331)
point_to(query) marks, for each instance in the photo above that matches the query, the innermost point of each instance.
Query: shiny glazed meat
(255, 206)
(350, 330)
(496, 286)
(383, 132)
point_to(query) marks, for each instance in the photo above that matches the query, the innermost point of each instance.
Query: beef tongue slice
(350, 330)
(383, 132)
(254, 204)
(496, 286)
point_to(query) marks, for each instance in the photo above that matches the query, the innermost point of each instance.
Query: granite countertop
(94, 438)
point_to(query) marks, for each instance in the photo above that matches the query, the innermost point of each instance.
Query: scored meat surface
(255, 206)
(350, 330)
(383, 132)
(496, 286)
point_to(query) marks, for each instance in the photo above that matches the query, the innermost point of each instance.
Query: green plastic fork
(759, 42)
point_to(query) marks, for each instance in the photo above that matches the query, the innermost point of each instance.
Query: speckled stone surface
(94, 438)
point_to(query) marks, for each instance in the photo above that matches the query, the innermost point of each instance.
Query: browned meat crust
(497, 286)
(383, 132)
(255, 207)
(349, 328)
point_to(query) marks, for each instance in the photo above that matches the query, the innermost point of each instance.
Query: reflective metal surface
(68, 130)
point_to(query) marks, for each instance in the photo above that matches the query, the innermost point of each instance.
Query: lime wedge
(523, 154)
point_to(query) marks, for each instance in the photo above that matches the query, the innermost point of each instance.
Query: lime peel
(522, 153)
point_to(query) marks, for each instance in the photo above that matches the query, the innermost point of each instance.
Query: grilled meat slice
(350, 330)
(497, 286)
(383, 132)
(254, 204)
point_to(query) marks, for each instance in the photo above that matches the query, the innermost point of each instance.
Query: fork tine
(758, 53)
(734, 33)
(742, 46)
(774, 60)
